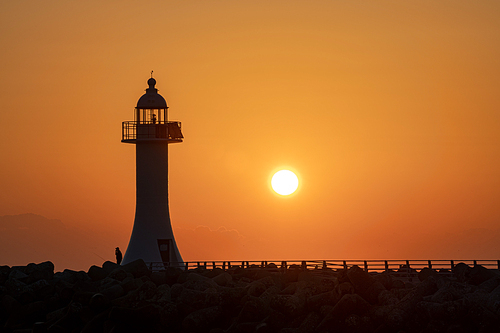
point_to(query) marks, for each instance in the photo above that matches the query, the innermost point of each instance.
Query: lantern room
(151, 119)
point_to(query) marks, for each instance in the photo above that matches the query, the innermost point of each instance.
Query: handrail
(408, 267)
(164, 130)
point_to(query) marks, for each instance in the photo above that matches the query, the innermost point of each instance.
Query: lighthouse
(152, 236)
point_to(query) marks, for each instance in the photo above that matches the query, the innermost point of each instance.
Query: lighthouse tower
(152, 237)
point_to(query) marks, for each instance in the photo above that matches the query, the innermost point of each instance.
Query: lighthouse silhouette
(152, 238)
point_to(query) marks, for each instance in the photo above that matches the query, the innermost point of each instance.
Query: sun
(284, 182)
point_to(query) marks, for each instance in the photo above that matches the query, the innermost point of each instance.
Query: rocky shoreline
(131, 298)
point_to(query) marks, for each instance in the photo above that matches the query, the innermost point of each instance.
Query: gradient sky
(389, 112)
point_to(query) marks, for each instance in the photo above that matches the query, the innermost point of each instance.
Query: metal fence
(405, 267)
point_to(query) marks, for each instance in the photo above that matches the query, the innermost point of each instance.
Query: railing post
(283, 266)
(303, 266)
(452, 265)
(213, 265)
(345, 264)
(386, 264)
(205, 264)
(366, 266)
(429, 263)
(186, 267)
(228, 265)
(498, 264)
(242, 264)
(325, 266)
(475, 263)
(223, 265)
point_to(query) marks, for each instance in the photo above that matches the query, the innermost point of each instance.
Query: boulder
(18, 275)
(479, 274)
(138, 268)
(162, 295)
(199, 282)
(158, 278)
(360, 279)
(347, 305)
(203, 319)
(317, 301)
(223, 279)
(310, 323)
(42, 271)
(256, 288)
(109, 266)
(96, 273)
(461, 272)
(425, 273)
(118, 274)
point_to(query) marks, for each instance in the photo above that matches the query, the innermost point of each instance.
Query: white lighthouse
(152, 237)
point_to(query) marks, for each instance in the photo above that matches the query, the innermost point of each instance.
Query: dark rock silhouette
(130, 298)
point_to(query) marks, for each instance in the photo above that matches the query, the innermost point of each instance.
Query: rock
(141, 319)
(231, 297)
(372, 293)
(461, 272)
(289, 305)
(18, 275)
(114, 291)
(197, 299)
(317, 301)
(71, 276)
(256, 288)
(158, 278)
(171, 275)
(169, 315)
(347, 305)
(223, 279)
(199, 282)
(310, 323)
(138, 268)
(387, 298)
(360, 279)
(202, 319)
(176, 290)
(109, 266)
(425, 273)
(489, 285)
(479, 274)
(96, 273)
(345, 288)
(42, 271)
(118, 274)
(449, 292)
(162, 294)
(397, 284)
(493, 303)
(385, 279)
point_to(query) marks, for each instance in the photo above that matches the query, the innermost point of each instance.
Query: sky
(388, 111)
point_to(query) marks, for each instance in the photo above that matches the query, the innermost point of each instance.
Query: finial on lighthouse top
(151, 99)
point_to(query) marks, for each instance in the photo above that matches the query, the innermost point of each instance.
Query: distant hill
(30, 238)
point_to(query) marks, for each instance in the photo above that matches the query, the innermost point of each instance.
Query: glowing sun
(284, 182)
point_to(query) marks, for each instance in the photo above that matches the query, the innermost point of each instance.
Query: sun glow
(284, 182)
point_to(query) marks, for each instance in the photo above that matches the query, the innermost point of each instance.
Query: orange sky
(389, 111)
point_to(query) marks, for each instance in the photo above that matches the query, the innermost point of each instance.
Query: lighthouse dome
(151, 99)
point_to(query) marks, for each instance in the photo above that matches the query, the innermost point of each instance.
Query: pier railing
(403, 267)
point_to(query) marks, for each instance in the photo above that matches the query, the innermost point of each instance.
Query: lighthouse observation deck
(133, 131)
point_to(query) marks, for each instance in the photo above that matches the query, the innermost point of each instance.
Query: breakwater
(132, 298)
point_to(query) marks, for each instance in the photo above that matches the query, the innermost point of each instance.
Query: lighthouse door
(164, 247)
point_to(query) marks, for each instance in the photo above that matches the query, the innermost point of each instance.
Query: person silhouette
(118, 255)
